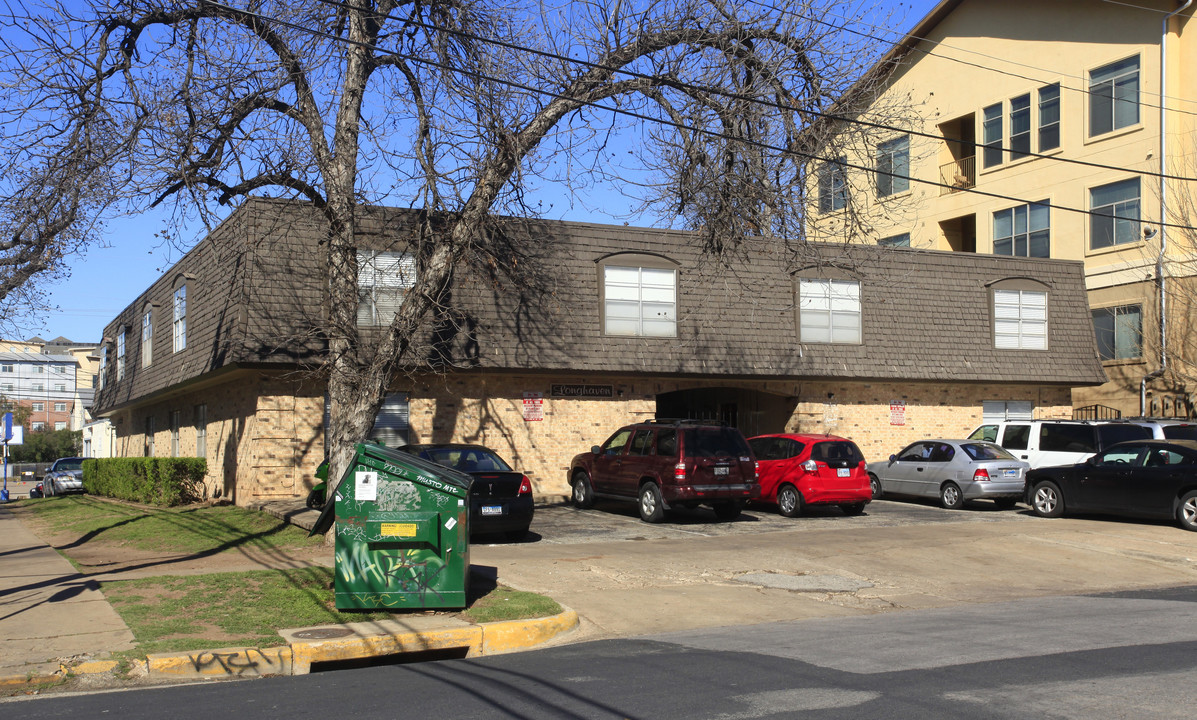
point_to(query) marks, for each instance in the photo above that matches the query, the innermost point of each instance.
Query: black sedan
(500, 498)
(1139, 478)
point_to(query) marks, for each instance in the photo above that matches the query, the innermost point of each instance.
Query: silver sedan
(953, 471)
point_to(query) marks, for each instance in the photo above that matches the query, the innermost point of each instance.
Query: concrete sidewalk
(50, 615)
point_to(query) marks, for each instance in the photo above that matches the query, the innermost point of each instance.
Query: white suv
(1046, 443)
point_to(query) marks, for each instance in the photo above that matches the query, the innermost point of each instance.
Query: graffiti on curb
(245, 661)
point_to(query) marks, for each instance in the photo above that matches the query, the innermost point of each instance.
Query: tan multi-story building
(1060, 129)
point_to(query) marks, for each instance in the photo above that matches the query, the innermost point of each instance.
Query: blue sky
(106, 279)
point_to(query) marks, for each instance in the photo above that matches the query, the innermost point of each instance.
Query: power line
(731, 95)
(670, 123)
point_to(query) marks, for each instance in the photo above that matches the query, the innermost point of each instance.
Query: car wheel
(950, 496)
(1186, 512)
(583, 496)
(789, 501)
(652, 506)
(728, 511)
(853, 508)
(48, 487)
(315, 499)
(875, 486)
(1004, 503)
(1047, 501)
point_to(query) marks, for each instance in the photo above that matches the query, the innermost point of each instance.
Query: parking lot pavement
(609, 521)
(625, 577)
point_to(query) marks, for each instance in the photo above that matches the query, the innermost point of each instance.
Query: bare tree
(458, 108)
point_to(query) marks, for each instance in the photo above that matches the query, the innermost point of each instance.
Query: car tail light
(810, 466)
(980, 475)
(525, 486)
(756, 470)
(679, 471)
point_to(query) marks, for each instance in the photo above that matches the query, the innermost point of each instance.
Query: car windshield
(715, 442)
(1180, 432)
(467, 459)
(985, 451)
(71, 464)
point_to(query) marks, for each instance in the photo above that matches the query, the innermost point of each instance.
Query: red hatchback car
(800, 469)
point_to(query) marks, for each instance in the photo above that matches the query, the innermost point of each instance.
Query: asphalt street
(1120, 655)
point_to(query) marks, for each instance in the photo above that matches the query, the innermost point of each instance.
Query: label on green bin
(406, 530)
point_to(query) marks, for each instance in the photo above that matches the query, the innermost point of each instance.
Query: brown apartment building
(220, 356)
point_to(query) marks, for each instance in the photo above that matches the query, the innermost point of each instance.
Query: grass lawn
(213, 609)
(190, 529)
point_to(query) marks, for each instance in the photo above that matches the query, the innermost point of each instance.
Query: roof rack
(683, 421)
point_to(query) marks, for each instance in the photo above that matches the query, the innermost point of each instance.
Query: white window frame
(1116, 85)
(1120, 320)
(383, 279)
(147, 338)
(829, 312)
(201, 431)
(893, 166)
(101, 377)
(60, 425)
(1019, 319)
(120, 356)
(1048, 117)
(899, 240)
(150, 430)
(639, 301)
(1027, 225)
(179, 318)
(38, 426)
(1123, 215)
(59, 387)
(39, 407)
(60, 407)
(7, 367)
(176, 419)
(833, 186)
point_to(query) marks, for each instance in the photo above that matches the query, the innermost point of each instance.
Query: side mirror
(893, 459)
(596, 449)
(1091, 460)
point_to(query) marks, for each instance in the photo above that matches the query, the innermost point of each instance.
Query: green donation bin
(402, 527)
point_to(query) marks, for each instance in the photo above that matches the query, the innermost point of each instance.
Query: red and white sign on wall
(897, 412)
(533, 406)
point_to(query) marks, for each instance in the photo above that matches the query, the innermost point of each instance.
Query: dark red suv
(662, 464)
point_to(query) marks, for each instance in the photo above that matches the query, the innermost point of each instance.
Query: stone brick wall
(490, 411)
(265, 432)
(264, 435)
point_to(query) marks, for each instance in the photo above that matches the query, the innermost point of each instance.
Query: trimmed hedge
(150, 481)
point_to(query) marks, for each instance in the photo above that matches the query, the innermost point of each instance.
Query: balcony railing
(958, 175)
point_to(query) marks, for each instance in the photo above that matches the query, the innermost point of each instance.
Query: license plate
(843, 472)
(721, 470)
(492, 509)
(1010, 472)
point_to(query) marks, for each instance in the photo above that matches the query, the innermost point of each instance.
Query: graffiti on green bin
(410, 571)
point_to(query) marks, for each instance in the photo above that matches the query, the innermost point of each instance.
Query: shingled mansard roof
(256, 298)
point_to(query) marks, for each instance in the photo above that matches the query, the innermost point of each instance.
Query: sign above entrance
(600, 391)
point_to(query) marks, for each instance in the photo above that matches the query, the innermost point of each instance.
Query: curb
(364, 642)
(297, 657)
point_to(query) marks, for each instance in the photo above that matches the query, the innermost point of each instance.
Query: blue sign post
(7, 437)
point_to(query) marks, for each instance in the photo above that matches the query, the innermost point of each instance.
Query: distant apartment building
(1059, 130)
(52, 379)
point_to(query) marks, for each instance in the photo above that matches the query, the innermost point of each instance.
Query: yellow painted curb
(305, 653)
(27, 679)
(510, 635)
(224, 662)
(92, 667)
